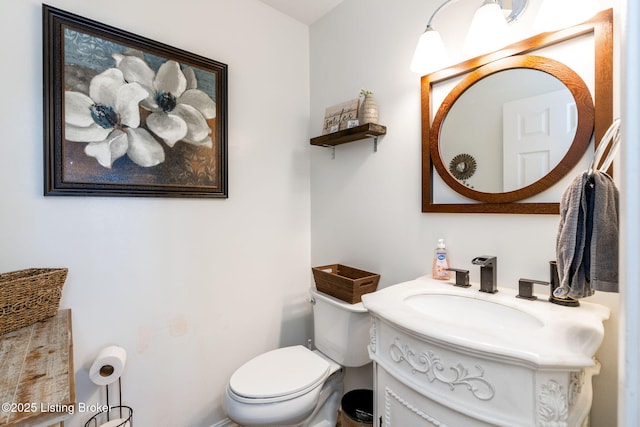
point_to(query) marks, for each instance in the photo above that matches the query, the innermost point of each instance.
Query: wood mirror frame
(601, 26)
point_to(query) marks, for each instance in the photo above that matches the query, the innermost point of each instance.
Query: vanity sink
(472, 312)
(446, 355)
(538, 331)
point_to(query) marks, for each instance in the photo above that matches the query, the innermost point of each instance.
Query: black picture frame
(128, 116)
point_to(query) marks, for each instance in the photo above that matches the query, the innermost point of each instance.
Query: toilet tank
(341, 330)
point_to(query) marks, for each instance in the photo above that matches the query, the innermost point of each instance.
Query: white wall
(365, 206)
(629, 373)
(191, 288)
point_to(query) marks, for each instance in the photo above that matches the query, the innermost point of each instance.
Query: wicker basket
(28, 296)
(345, 283)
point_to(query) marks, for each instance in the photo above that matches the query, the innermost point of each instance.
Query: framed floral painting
(128, 116)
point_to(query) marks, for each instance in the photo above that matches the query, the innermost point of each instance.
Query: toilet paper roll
(120, 422)
(108, 366)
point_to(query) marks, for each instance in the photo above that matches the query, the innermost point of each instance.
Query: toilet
(294, 386)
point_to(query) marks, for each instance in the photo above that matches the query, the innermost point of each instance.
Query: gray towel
(587, 241)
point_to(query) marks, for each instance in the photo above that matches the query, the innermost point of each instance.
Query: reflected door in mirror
(537, 134)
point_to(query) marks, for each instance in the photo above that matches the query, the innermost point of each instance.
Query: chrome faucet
(488, 273)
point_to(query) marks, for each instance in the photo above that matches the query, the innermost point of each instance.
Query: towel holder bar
(610, 139)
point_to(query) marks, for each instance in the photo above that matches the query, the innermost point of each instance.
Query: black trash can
(357, 408)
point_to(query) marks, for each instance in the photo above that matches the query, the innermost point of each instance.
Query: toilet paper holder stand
(118, 412)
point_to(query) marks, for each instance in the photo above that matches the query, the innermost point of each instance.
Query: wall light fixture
(488, 31)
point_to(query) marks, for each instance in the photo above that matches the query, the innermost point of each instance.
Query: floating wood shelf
(369, 130)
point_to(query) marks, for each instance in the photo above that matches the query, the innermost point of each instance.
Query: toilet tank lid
(280, 372)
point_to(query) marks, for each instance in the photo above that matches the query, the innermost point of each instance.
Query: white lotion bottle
(440, 269)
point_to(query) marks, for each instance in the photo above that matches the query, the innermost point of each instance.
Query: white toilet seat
(284, 394)
(278, 375)
(285, 412)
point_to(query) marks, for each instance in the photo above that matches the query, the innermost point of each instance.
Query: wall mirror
(531, 134)
(481, 102)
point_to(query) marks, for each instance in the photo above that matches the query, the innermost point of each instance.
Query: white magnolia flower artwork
(108, 121)
(179, 109)
(131, 113)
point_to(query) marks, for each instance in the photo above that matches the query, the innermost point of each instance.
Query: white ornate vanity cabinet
(447, 356)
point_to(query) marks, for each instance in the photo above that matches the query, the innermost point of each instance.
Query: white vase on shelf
(369, 110)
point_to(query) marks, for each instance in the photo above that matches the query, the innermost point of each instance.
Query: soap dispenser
(440, 268)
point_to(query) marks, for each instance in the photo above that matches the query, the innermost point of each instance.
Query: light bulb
(430, 54)
(488, 30)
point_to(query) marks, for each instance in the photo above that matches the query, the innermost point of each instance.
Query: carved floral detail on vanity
(373, 347)
(553, 410)
(431, 365)
(554, 404)
(388, 394)
(576, 381)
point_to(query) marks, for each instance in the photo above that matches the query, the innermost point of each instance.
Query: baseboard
(225, 423)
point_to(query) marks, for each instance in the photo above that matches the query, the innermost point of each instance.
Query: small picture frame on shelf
(337, 117)
(353, 123)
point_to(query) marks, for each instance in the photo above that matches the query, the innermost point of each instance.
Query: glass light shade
(430, 54)
(555, 15)
(488, 30)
